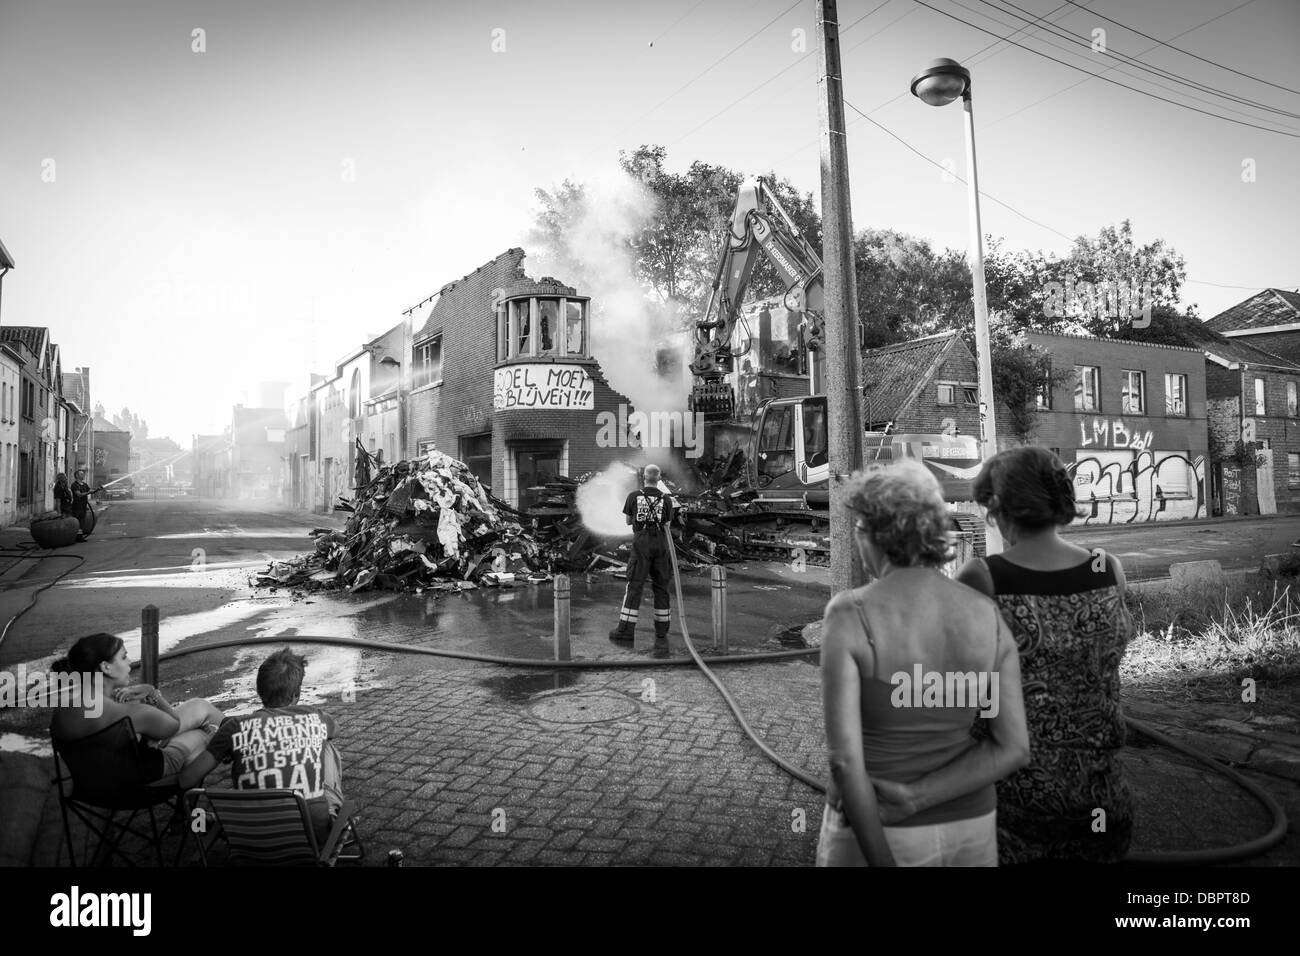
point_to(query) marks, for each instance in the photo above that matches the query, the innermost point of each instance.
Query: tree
(1096, 289)
(676, 246)
(906, 289)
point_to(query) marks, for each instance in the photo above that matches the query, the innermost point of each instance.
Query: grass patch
(1246, 628)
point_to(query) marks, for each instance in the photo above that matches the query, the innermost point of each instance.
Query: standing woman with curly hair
(1066, 608)
(882, 645)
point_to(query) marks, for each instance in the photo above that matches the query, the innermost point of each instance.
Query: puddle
(519, 688)
(19, 743)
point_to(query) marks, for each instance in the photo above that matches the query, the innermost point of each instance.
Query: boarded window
(1172, 474)
(1103, 474)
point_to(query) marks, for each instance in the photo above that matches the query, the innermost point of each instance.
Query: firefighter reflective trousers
(649, 560)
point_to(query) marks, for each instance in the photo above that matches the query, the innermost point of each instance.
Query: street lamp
(941, 82)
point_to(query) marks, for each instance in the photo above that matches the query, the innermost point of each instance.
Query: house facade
(502, 378)
(1129, 421)
(112, 460)
(925, 386)
(211, 466)
(38, 419)
(11, 363)
(76, 394)
(257, 437)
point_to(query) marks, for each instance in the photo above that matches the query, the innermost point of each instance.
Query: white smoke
(628, 326)
(600, 500)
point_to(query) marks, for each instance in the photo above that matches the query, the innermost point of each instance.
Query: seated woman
(170, 736)
(883, 645)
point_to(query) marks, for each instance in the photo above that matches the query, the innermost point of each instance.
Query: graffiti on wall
(1141, 490)
(1112, 433)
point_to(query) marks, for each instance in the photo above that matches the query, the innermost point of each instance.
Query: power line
(1189, 52)
(932, 162)
(714, 65)
(675, 22)
(1109, 68)
(1106, 79)
(1139, 64)
(1008, 206)
(781, 73)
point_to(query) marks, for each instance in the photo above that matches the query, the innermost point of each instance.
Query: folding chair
(274, 828)
(107, 778)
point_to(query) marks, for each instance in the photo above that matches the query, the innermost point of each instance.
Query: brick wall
(1129, 466)
(462, 407)
(1276, 430)
(924, 415)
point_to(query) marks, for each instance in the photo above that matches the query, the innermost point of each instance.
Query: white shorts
(972, 842)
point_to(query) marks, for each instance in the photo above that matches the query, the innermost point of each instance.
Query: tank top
(904, 743)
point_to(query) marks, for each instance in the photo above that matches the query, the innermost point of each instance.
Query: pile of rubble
(428, 524)
(425, 523)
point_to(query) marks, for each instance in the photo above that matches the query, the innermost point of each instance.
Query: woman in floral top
(1065, 606)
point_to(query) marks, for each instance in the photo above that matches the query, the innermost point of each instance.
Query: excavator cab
(791, 463)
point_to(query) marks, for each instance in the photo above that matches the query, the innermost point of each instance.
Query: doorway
(535, 466)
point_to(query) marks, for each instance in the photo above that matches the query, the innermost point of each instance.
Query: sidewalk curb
(1079, 528)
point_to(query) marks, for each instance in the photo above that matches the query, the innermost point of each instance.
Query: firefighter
(648, 511)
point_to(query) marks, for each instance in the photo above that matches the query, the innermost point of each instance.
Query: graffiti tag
(1112, 433)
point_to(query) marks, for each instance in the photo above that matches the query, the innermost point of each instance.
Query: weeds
(1248, 628)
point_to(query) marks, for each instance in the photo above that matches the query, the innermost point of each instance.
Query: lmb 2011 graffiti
(1141, 498)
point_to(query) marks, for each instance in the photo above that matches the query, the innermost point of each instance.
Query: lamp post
(941, 82)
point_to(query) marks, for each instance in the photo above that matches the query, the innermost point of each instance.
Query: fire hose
(1275, 835)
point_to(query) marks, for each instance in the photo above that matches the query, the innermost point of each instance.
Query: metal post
(843, 395)
(718, 578)
(988, 410)
(149, 645)
(562, 618)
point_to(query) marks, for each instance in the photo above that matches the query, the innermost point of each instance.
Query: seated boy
(283, 746)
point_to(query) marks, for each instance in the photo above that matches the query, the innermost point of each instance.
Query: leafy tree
(675, 251)
(906, 289)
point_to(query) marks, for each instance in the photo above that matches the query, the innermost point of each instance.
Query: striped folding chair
(274, 828)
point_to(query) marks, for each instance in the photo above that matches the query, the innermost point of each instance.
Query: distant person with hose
(649, 511)
(908, 663)
(80, 504)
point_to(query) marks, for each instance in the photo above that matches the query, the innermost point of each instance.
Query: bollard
(718, 574)
(149, 645)
(562, 617)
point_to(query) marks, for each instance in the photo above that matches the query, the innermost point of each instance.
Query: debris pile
(425, 523)
(428, 524)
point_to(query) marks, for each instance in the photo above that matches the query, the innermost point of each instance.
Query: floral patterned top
(1071, 801)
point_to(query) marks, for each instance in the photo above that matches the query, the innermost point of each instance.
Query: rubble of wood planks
(428, 524)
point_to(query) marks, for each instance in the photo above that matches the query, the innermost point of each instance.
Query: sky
(189, 222)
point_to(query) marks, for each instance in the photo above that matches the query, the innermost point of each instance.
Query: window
(354, 396)
(476, 453)
(815, 432)
(776, 443)
(970, 394)
(423, 448)
(1259, 397)
(548, 325)
(1086, 388)
(428, 362)
(1292, 470)
(541, 326)
(575, 324)
(1043, 397)
(1171, 478)
(521, 327)
(1133, 401)
(1290, 400)
(1175, 394)
(947, 393)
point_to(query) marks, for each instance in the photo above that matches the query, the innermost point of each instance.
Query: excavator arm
(759, 225)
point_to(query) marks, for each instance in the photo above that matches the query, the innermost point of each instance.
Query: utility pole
(843, 386)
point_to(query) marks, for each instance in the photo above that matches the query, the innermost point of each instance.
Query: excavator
(778, 506)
